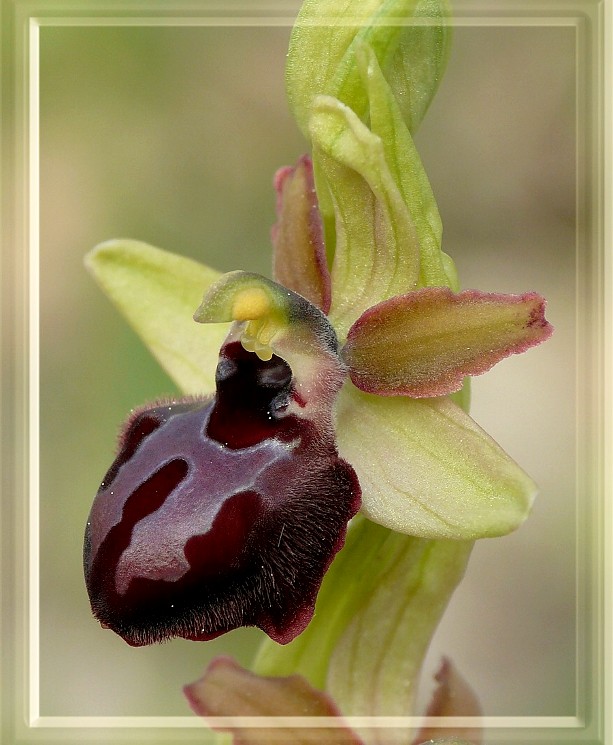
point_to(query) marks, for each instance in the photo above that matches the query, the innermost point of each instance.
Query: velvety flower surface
(224, 511)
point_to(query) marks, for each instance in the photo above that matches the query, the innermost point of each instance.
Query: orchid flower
(335, 387)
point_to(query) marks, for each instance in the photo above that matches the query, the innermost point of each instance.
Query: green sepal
(427, 469)
(157, 291)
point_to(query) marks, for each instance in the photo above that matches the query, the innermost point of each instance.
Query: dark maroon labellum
(218, 513)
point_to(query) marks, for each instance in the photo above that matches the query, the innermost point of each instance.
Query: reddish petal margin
(453, 697)
(228, 690)
(299, 254)
(424, 343)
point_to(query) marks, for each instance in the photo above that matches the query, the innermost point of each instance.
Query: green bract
(409, 37)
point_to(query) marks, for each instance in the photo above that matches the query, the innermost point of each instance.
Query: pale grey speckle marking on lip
(154, 551)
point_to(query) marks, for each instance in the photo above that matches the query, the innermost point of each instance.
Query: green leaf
(158, 292)
(420, 60)
(375, 664)
(378, 606)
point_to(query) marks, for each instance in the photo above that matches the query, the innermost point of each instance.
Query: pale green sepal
(158, 291)
(377, 249)
(375, 665)
(403, 160)
(321, 58)
(427, 469)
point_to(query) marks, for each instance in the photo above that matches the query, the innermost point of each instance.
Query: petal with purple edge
(424, 343)
(228, 690)
(427, 469)
(453, 697)
(299, 254)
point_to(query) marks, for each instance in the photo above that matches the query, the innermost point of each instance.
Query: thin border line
(34, 351)
(579, 625)
(283, 21)
(280, 722)
(35, 720)
(34, 330)
(608, 370)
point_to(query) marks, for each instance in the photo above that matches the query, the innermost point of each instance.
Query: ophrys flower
(228, 510)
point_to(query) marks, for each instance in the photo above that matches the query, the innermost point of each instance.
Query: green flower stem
(378, 607)
(375, 665)
(344, 591)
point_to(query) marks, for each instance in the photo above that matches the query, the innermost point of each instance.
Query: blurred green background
(172, 136)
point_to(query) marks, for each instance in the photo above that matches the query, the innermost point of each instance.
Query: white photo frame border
(22, 23)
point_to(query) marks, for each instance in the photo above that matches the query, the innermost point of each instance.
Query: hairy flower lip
(220, 512)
